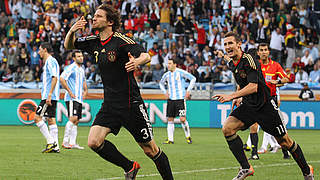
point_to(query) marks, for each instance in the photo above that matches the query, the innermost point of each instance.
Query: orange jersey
(272, 71)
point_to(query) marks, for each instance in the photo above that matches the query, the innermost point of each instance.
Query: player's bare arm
(65, 85)
(248, 89)
(236, 102)
(279, 82)
(53, 85)
(135, 62)
(85, 89)
(70, 37)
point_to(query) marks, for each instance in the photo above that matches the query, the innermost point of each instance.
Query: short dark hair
(47, 45)
(230, 34)
(112, 15)
(74, 53)
(175, 61)
(262, 45)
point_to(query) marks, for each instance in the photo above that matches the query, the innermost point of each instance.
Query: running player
(257, 106)
(177, 96)
(117, 57)
(74, 81)
(49, 98)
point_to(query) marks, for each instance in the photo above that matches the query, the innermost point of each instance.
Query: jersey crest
(242, 74)
(111, 56)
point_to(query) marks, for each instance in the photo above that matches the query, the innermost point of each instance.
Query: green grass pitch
(208, 158)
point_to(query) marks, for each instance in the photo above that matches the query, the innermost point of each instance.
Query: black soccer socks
(163, 165)
(235, 145)
(109, 152)
(254, 142)
(298, 156)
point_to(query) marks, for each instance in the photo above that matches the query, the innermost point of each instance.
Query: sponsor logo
(26, 111)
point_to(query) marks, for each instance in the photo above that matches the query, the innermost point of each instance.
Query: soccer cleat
(246, 147)
(168, 142)
(254, 157)
(262, 151)
(66, 146)
(274, 149)
(131, 175)
(49, 148)
(55, 151)
(243, 173)
(310, 176)
(76, 146)
(189, 141)
(286, 156)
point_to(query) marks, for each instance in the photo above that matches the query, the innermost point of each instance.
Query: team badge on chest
(111, 55)
(242, 74)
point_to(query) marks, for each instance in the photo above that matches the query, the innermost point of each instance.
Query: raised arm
(70, 37)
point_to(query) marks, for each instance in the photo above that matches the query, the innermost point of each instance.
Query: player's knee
(93, 143)
(227, 131)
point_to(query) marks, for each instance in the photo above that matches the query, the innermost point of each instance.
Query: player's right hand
(167, 95)
(72, 95)
(48, 100)
(79, 24)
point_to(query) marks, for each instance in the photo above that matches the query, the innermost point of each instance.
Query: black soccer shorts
(268, 117)
(134, 118)
(176, 108)
(74, 109)
(44, 110)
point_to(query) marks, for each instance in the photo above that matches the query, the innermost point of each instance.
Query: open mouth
(230, 52)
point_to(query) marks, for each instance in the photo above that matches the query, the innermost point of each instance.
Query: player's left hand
(48, 101)
(272, 81)
(222, 97)
(132, 64)
(187, 95)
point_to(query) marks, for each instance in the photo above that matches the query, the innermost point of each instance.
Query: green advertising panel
(22, 112)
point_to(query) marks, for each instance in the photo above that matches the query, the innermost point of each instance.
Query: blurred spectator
(17, 75)
(3, 18)
(276, 45)
(306, 94)
(26, 9)
(309, 67)
(226, 75)
(216, 76)
(301, 76)
(34, 56)
(306, 58)
(23, 58)
(7, 76)
(165, 16)
(157, 73)
(291, 76)
(146, 74)
(194, 72)
(27, 75)
(313, 51)
(201, 40)
(150, 38)
(160, 35)
(36, 73)
(297, 65)
(315, 74)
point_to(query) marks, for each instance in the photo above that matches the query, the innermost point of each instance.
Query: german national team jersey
(111, 56)
(74, 75)
(50, 69)
(272, 71)
(176, 82)
(247, 70)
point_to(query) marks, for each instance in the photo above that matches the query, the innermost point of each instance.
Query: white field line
(213, 169)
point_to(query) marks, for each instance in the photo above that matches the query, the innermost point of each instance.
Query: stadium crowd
(188, 30)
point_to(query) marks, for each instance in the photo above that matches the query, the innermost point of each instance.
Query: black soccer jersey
(247, 70)
(111, 56)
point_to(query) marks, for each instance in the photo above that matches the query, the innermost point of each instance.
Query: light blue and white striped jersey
(50, 68)
(74, 75)
(176, 82)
